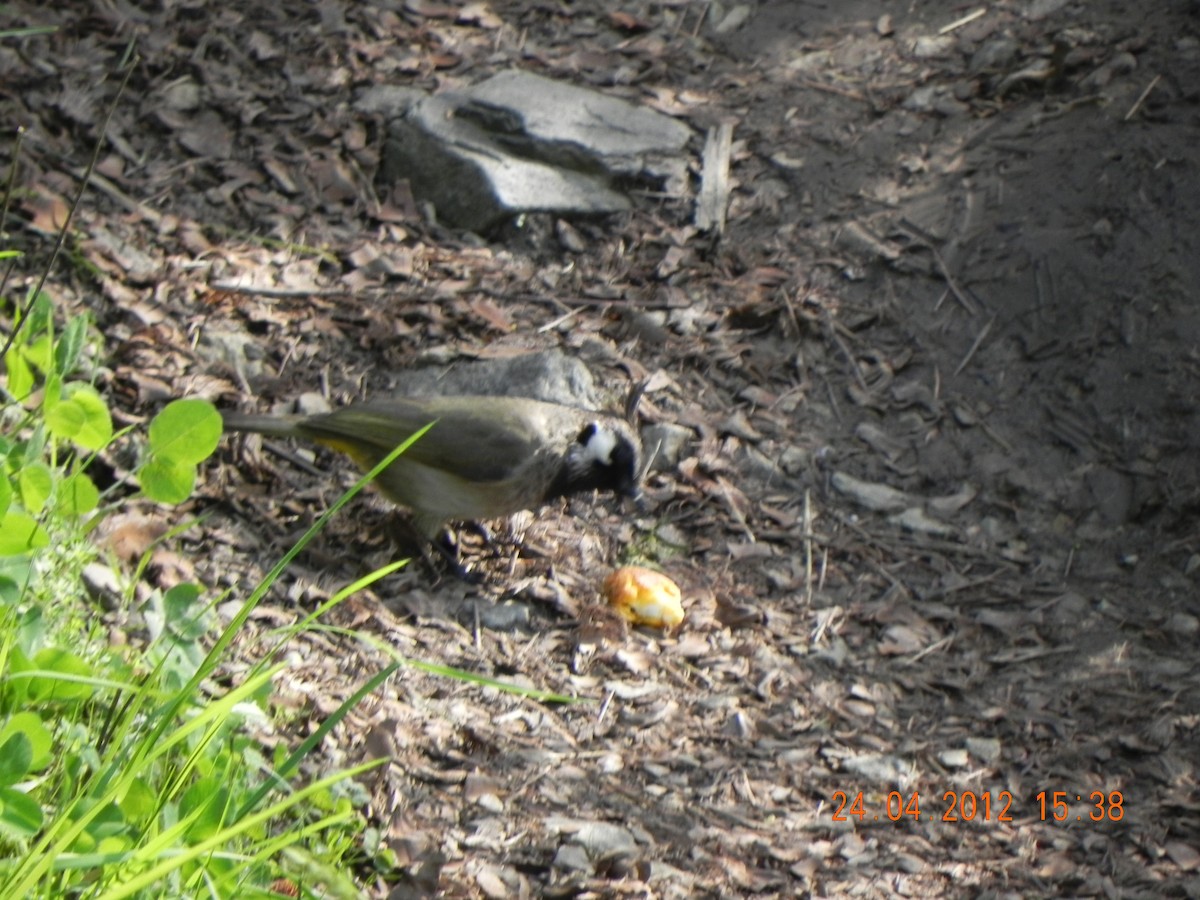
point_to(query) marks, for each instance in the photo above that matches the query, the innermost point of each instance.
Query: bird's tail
(273, 426)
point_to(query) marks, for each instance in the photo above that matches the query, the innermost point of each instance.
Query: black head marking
(603, 458)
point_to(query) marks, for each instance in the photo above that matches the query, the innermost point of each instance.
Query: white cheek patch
(600, 445)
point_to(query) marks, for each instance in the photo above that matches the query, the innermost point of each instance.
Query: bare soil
(961, 262)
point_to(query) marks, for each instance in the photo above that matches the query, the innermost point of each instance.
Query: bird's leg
(447, 545)
(485, 533)
(408, 533)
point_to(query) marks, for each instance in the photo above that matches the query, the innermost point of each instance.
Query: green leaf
(60, 662)
(108, 822)
(166, 481)
(179, 600)
(186, 431)
(20, 375)
(20, 815)
(30, 726)
(20, 533)
(185, 621)
(6, 493)
(41, 313)
(39, 352)
(36, 483)
(30, 450)
(208, 799)
(70, 345)
(98, 428)
(64, 420)
(16, 755)
(52, 391)
(30, 633)
(77, 495)
(10, 591)
(81, 417)
(140, 801)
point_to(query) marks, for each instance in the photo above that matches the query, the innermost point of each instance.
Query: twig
(279, 293)
(1137, 104)
(932, 648)
(830, 89)
(554, 323)
(137, 206)
(8, 195)
(952, 284)
(130, 60)
(604, 705)
(975, 346)
(965, 20)
(837, 339)
(808, 550)
(733, 508)
(943, 269)
(714, 179)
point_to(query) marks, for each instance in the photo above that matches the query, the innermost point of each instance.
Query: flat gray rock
(549, 375)
(520, 143)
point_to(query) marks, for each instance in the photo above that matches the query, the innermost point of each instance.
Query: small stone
(1183, 625)
(954, 759)
(985, 749)
(102, 585)
(603, 840)
(572, 858)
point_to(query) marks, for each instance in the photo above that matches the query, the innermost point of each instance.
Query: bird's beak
(635, 495)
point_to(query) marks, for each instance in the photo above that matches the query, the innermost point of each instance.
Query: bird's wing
(476, 443)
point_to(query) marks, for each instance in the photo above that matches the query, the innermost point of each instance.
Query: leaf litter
(935, 525)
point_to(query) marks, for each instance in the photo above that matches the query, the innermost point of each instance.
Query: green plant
(123, 771)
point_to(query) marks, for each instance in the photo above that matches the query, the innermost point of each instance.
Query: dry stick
(133, 205)
(943, 269)
(932, 648)
(1142, 99)
(130, 60)
(713, 198)
(968, 585)
(997, 437)
(276, 293)
(1039, 296)
(607, 702)
(837, 339)
(8, 195)
(965, 20)
(975, 346)
(951, 283)
(830, 89)
(554, 323)
(733, 508)
(808, 549)
(791, 309)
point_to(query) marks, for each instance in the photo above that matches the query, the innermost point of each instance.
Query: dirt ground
(961, 262)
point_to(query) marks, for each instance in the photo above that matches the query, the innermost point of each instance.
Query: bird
(484, 456)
